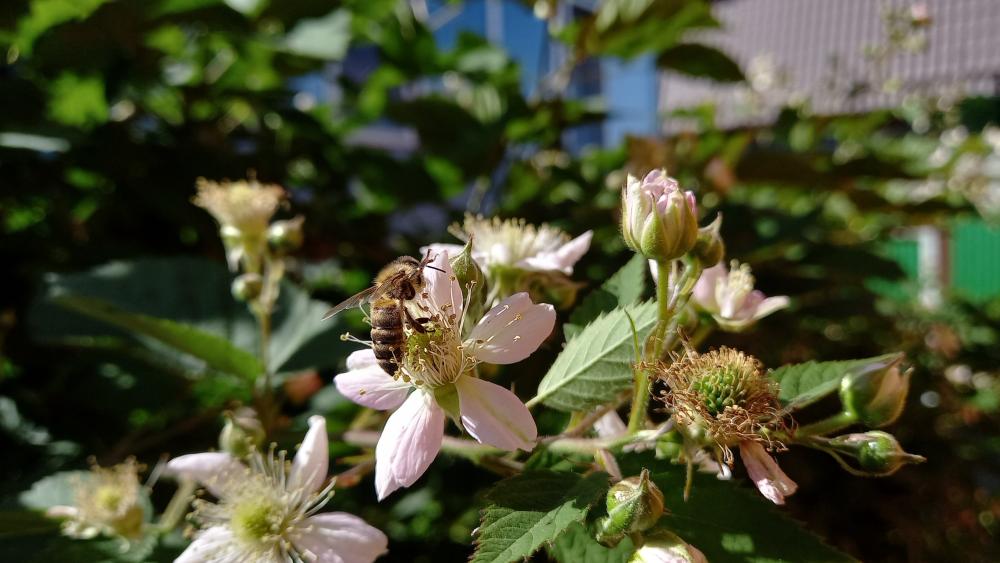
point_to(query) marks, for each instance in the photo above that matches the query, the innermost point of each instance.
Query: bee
(398, 282)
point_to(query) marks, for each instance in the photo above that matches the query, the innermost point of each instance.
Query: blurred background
(853, 148)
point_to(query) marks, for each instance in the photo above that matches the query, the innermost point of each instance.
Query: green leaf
(530, 509)
(729, 521)
(806, 383)
(702, 61)
(594, 367)
(322, 38)
(577, 545)
(193, 292)
(625, 287)
(78, 101)
(216, 352)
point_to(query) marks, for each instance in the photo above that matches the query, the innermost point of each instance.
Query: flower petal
(312, 460)
(213, 470)
(338, 537)
(562, 259)
(512, 330)
(360, 359)
(410, 441)
(770, 305)
(495, 416)
(370, 385)
(443, 291)
(610, 425)
(704, 289)
(771, 481)
(212, 544)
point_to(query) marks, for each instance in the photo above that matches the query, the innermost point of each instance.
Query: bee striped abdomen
(388, 339)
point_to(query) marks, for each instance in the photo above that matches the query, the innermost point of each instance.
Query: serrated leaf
(594, 367)
(577, 545)
(216, 352)
(730, 521)
(530, 509)
(806, 383)
(625, 287)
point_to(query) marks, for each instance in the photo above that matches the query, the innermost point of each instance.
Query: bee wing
(352, 301)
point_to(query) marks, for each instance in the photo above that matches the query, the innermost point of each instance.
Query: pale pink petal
(338, 537)
(439, 247)
(312, 458)
(360, 359)
(213, 470)
(371, 386)
(771, 481)
(495, 416)
(563, 258)
(215, 544)
(610, 425)
(410, 441)
(704, 288)
(443, 291)
(770, 305)
(512, 330)
(61, 511)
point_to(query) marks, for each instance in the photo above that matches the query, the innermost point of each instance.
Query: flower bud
(878, 453)
(285, 236)
(662, 546)
(709, 247)
(634, 505)
(877, 395)
(469, 275)
(247, 287)
(242, 434)
(658, 219)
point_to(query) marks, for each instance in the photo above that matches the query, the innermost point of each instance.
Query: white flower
(513, 243)
(266, 514)
(729, 296)
(438, 377)
(662, 546)
(771, 481)
(107, 501)
(243, 210)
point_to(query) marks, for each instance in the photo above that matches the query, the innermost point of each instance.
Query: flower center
(257, 519)
(108, 498)
(724, 387)
(732, 291)
(435, 358)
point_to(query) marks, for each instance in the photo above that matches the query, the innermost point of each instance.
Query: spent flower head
(106, 501)
(438, 378)
(267, 512)
(729, 296)
(659, 220)
(243, 210)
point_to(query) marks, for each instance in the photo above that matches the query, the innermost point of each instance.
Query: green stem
(654, 348)
(177, 507)
(836, 422)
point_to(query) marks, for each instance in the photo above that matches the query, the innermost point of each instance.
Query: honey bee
(395, 284)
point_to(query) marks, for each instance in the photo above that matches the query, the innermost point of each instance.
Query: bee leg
(416, 324)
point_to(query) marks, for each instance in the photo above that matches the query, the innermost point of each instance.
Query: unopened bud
(242, 434)
(659, 220)
(876, 396)
(285, 236)
(662, 546)
(634, 505)
(709, 248)
(246, 287)
(878, 453)
(469, 275)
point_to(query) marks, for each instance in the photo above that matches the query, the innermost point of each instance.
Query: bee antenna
(433, 268)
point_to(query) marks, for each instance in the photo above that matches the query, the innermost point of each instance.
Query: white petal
(410, 441)
(561, 260)
(439, 247)
(495, 416)
(371, 386)
(512, 330)
(771, 481)
(312, 460)
(60, 511)
(213, 470)
(770, 305)
(338, 537)
(610, 425)
(212, 545)
(443, 290)
(704, 289)
(360, 359)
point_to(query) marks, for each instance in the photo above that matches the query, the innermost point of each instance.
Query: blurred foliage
(115, 108)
